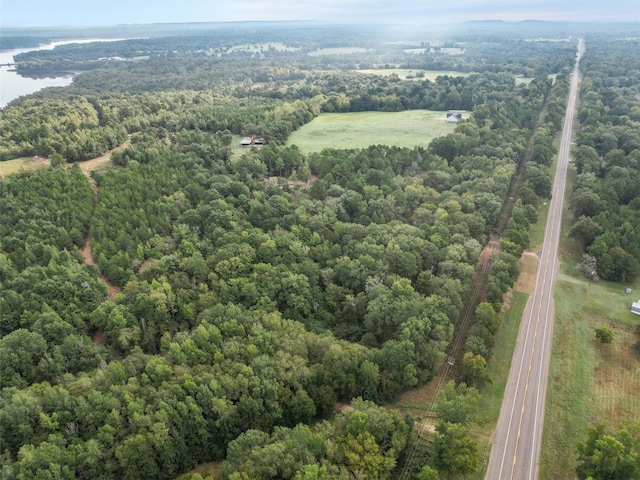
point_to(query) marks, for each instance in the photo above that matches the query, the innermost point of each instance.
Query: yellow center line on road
(548, 268)
(533, 347)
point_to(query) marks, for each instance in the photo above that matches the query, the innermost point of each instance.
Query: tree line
(606, 199)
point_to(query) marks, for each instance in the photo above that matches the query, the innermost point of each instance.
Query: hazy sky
(109, 12)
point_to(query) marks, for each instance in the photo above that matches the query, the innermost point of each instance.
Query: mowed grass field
(361, 129)
(24, 164)
(411, 73)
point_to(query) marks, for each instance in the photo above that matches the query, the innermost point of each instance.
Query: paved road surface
(516, 447)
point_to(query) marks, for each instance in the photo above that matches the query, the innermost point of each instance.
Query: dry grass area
(616, 385)
(529, 262)
(94, 164)
(417, 400)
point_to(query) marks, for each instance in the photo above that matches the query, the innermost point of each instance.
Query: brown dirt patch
(97, 336)
(529, 262)
(425, 426)
(343, 407)
(86, 251)
(88, 259)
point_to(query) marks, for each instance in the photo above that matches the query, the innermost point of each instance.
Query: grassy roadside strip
(491, 395)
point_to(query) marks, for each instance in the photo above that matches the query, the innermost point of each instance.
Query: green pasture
(527, 80)
(362, 129)
(336, 51)
(412, 73)
(25, 164)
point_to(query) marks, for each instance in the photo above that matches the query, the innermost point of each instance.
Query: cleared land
(16, 165)
(412, 73)
(25, 164)
(336, 51)
(589, 382)
(359, 130)
(527, 80)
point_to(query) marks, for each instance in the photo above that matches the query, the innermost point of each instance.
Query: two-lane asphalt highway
(516, 447)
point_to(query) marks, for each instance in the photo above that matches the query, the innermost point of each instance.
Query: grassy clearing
(94, 164)
(10, 167)
(589, 383)
(359, 130)
(491, 396)
(24, 164)
(403, 73)
(336, 51)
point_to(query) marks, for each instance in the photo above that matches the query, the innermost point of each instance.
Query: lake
(13, 85)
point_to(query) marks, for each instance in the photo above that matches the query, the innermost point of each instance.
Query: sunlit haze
(110, 12)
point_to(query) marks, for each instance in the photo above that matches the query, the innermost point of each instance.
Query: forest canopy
(229, 317)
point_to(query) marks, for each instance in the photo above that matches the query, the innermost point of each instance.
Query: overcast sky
(110, 12)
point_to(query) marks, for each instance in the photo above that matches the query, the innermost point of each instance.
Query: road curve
(516, 446)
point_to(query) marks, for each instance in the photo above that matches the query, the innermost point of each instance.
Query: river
(13, 85)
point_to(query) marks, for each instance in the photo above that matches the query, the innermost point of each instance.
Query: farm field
(359, 130)
(411, 73)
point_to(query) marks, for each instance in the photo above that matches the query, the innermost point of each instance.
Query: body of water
(13, 85)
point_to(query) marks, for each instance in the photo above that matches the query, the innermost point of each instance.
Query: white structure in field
(454, 115)
(635, 307)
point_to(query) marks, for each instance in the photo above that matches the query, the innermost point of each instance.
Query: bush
(604, 335)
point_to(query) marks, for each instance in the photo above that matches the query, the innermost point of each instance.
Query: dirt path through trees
(87, 167)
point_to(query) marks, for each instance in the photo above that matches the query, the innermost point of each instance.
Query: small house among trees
(252, 142)
(454, 115)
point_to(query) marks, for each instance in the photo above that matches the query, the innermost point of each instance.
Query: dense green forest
(606, 199)
(246, 310)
